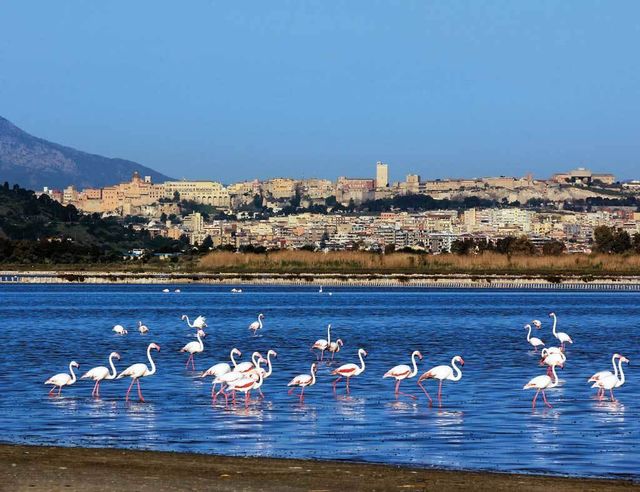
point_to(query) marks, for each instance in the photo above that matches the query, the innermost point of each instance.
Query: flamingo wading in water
(321, 344)
(349, 370)
(257, 325)
(221, 368)
(193, 348)
(534, 341)
(63, 379)
(603, 374)
(442, 373)
(560, 335)
(119, 330)
(541, 383)
(142, 328)
(137, 371)
(403, 371)
(334, 347)
(303, 380)
(200, 322)
(611, 381)
(100, 373)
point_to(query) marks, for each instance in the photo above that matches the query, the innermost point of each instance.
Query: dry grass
(362, 262)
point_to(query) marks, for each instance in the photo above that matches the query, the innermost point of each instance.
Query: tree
(163, 217)
(636, 242)
(553, 248)
(206, 245)
(603, 239)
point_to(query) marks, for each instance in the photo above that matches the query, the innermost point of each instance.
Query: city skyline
(441, 90)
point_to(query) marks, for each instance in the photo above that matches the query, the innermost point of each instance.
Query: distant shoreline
(328, 280)
(54, 468)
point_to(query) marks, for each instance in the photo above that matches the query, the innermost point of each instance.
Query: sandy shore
(53, 468)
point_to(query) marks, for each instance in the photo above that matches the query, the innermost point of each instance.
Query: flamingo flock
(229, 378)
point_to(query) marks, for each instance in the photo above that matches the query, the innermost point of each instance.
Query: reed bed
(363, 262)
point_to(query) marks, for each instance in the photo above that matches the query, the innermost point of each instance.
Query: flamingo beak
(461, 361)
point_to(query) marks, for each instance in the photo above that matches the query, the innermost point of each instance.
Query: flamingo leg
(126, 398)
(188, 359)
(52, 390)
(193, 362)
(302, 395)
(98, 389)
(95, 386)
(533, 403)
(139, 391)
(322, 355)
(425, 392)
(544, 397)
(332, 355)
(440, 391)
(397, 390)
(291, 390)
(261, 393)
(246, 400)
(335, 383)
(59, 390)
(611, 393)
(348, 392)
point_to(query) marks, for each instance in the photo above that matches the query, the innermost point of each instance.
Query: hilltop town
(369, 213)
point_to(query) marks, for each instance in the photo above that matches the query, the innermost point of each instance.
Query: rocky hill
(33, 163)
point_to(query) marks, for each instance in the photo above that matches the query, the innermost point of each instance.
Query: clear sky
(231, 90)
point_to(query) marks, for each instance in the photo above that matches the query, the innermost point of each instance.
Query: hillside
(33, 163)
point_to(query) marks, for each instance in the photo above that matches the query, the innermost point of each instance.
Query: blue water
(485, 422)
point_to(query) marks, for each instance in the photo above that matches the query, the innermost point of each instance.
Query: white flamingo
(535, 342)
(403, 371)
(442, 373)
(349, 370)
(610, 381)
(63, 379)
(142, 328)
(140, 370)
(245, 385)
(221, 368)
(302, 381)
(257, 325)
(604, 374)
(334, 347)
(200, 322)
(100, 373)
(249, 366)
(560, 335)
(119, 330)
(542, 383)
(193, 348)
(321, 344)
(552, 360)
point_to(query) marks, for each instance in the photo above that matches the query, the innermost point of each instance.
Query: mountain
(33, 163)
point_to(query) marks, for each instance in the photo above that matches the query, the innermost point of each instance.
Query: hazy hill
(33, 163)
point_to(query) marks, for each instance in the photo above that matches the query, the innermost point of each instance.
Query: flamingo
(266, 373)
(441, 373)
(560, 335)
(610, 381)
(554, 359)
(246, 384)
(535, 342)
(321, 344)
(303, 380)
(320, 290)
(541, 383)
(165, 290)
(142, 328)
(221, 368)
(403, 371)
(334, 347)
(200, 322)
(537, 323)
(137, 371)
(193, 348)
(62, 379)
(257, 325)
(349, 370)
(603, 374)
(119, 330)
(249, 366)
(101, 373)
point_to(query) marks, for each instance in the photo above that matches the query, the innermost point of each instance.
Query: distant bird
(303, 380)
(334, 347)
(137, 371)
(257, 325)
(535, 342)
(101, 373)
(200, 322)
(177, 291)
(610, 381)
(349, 370)
(541, 383)
(193, 348)
(165, 290)
(321, 344)
(537, 323)
(221, 368)
(403, 371)
(142, 328)
(560, 335)
(320, 290)
(442, 373)
(119, 330)
(62, 379)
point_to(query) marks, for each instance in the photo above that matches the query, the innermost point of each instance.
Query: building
(583, 176)
(205, 192)
(382, 175)
(357, 189)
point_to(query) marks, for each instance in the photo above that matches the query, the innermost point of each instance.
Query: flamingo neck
(621, 378)
(615, 368)
(233, 359)
(415, 365)
(313, 376)
(113, 369)
(329, 335)
(254, 360)
(153, 365)
(555, 377)
(457, 370)
(555, 322)
(260, 321)
(200, 341)
(529, 334)
(361, 361)
(260, 378)
(73, 374)
(268, 373)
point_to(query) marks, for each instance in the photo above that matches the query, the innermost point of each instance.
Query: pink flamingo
(541, 383)
(137, 371)
(334, 347)
(246, 384)
(349, 370)
(303, 380)
(101, 373)
(193, 348)
(321, 344)
(62, 379)
(403, 371)
(603, 374)
(442, 373)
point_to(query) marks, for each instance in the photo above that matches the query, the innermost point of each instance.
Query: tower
(382, 175)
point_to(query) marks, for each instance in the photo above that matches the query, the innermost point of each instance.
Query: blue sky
(236, 90)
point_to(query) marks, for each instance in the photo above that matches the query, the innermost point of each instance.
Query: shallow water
(485, 421)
